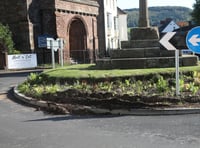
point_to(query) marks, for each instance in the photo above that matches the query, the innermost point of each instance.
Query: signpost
(193, 40)
(54, 45)
(165, 42)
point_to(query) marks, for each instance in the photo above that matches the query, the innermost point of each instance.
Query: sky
(125, 4)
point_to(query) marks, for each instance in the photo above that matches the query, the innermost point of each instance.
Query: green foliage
(190, 86)
(37, 91)
(196, 76)
(51, 89)
(15, 52)
(6, 38)
(157, 82)
(24, 88)
(156, 14)
(34, 79)
(162, 84)
(196, 12)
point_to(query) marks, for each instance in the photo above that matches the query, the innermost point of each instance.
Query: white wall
(123, 32)
(111, 32)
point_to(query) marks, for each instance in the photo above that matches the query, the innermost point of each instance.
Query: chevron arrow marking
(165, 41)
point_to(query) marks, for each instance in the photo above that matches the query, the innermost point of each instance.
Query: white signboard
(22, 61)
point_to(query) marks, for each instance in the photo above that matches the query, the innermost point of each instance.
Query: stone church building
(73, 20)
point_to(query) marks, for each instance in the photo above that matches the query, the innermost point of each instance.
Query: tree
(6, 39)
(196, 12)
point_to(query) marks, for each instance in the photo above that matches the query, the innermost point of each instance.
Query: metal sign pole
(177, 73)
(53, 58)
(61, 57)
(54, 45)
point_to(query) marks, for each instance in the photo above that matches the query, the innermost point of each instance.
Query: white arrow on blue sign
(193, 40)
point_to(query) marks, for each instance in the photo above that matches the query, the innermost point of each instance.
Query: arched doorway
(78, 42)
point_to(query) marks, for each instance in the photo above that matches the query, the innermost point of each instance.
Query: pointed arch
(78, 34)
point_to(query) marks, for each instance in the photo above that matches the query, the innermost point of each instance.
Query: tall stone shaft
(143, 14)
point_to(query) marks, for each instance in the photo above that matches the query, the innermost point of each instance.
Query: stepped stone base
(143, 51)
(140, 63)
(140, 43)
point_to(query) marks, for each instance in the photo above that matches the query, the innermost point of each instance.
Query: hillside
(157, 14)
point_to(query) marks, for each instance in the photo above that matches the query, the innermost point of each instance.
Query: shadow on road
(71, 117)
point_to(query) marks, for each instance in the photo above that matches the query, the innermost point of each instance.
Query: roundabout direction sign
(193, 40)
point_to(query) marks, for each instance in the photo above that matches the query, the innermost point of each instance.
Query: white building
(112, 27)
(123, 32)
(111, 24)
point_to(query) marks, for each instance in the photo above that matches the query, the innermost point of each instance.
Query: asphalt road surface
(24, 127)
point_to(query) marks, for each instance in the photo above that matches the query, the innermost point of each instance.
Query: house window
(116, 23)
(109, 20)
(114, 6)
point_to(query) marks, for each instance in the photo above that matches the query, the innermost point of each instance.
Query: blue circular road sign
(193, 40)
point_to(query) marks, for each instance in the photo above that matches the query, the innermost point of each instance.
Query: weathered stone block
(189, 60)
(152, 52)
(167, 53)
(143, 33)
(127, 53)
(140, 44)
(128, 63)
(104, 63)
(152, 63)
(165, 62)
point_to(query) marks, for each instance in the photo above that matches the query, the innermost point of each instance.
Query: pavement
(54, 106)
(11, 72)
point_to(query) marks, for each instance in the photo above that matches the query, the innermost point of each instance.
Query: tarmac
(11, 72)
(97, 111)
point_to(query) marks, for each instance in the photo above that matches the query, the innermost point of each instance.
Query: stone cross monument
(143, 49)
(143, 14)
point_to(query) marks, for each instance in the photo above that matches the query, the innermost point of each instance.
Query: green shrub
(34, 79)
(24, 88)
(6, 38)
(37, 91)
(162, 85)
(52, 88)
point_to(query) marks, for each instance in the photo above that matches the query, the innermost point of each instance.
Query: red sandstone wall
(65, 13)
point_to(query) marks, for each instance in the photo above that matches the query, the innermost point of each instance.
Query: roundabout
(145, 94)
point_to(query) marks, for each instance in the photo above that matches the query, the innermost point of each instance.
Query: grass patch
(90, 71)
